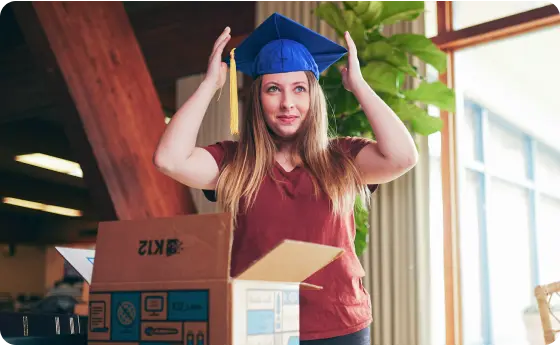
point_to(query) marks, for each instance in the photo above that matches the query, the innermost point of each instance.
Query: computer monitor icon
(153, 305)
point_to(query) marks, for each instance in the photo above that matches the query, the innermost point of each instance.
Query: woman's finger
(222, 37)
(217, 54)
(350, 43)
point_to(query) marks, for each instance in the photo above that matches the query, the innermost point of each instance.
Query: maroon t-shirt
(289, 210)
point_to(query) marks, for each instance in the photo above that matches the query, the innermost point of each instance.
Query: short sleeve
(223, 153)
(352, 146)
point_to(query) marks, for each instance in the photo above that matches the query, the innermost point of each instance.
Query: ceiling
(31, 120)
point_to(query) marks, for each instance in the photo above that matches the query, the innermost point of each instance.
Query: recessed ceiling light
(52, 163)
(41, 206)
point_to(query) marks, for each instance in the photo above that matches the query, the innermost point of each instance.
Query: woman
(284, 178)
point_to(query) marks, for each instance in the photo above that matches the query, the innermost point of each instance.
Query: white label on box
(263, 312)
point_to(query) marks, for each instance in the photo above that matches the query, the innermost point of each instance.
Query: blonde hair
(332, 172)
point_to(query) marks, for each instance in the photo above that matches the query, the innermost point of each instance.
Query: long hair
(332, 173)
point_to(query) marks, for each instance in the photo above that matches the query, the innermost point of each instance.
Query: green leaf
(356, 28)
(384, 51)
(381, 76)
(422, 47)
(361, 216)
(394, 11)
(341, 100)
(426, 124)
(331, 14)
(405, 111)
(436, 93)
(368, 11)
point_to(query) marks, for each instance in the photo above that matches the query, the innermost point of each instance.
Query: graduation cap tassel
(234, 116)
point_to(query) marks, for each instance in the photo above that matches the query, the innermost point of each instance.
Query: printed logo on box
(167, 247)
(125, 316)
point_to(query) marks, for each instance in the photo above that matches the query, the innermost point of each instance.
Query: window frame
(450, 40)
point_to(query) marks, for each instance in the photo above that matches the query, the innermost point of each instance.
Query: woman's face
(285, 101)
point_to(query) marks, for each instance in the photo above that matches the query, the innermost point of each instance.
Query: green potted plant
(385, 63)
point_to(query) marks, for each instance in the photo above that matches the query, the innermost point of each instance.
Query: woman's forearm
(179, 139)
(393, 138)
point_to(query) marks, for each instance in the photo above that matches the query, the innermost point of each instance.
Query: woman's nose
(287, 101)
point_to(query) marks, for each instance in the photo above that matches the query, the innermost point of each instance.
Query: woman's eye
(273, 88)
(300, 89)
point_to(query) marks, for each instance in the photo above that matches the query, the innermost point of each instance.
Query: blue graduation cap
(280, 45)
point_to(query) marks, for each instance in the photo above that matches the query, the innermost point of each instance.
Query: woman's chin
(285, 133)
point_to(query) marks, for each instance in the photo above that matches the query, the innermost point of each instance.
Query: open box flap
(180, 248)
(79, 259)
(291, 261)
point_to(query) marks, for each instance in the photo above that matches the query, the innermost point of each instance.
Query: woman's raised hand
(217, 70)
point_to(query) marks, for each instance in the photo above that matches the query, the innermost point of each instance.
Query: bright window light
(52, 163)
(43, 207)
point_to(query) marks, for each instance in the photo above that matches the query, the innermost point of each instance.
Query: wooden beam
(498, 29)
(99, 63)
(451, 261)
(46, 62)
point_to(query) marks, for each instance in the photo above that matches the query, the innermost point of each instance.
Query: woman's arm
(394, 153)
(176, 154)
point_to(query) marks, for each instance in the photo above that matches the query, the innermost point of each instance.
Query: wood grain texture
(118, 109)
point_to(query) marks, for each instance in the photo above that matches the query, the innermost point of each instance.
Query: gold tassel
(234, 110)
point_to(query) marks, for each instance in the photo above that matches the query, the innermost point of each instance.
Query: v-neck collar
(277, 164)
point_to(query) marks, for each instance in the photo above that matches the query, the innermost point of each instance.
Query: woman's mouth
(287, 119)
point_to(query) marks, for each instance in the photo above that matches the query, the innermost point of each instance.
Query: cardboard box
(167, 281)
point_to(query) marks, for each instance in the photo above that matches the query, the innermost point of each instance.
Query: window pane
(471, 204)
(509, 266)
(497, 77)
(437, 283)
(507, 152)
(548, 239)
(470, 133)
(469, 13)
(548, 171)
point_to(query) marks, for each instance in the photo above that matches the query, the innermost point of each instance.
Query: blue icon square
(125, 316)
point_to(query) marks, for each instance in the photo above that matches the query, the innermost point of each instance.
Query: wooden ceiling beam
(46, 62)
(116, 117)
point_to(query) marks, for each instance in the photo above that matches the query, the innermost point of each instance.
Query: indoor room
(453, 242)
